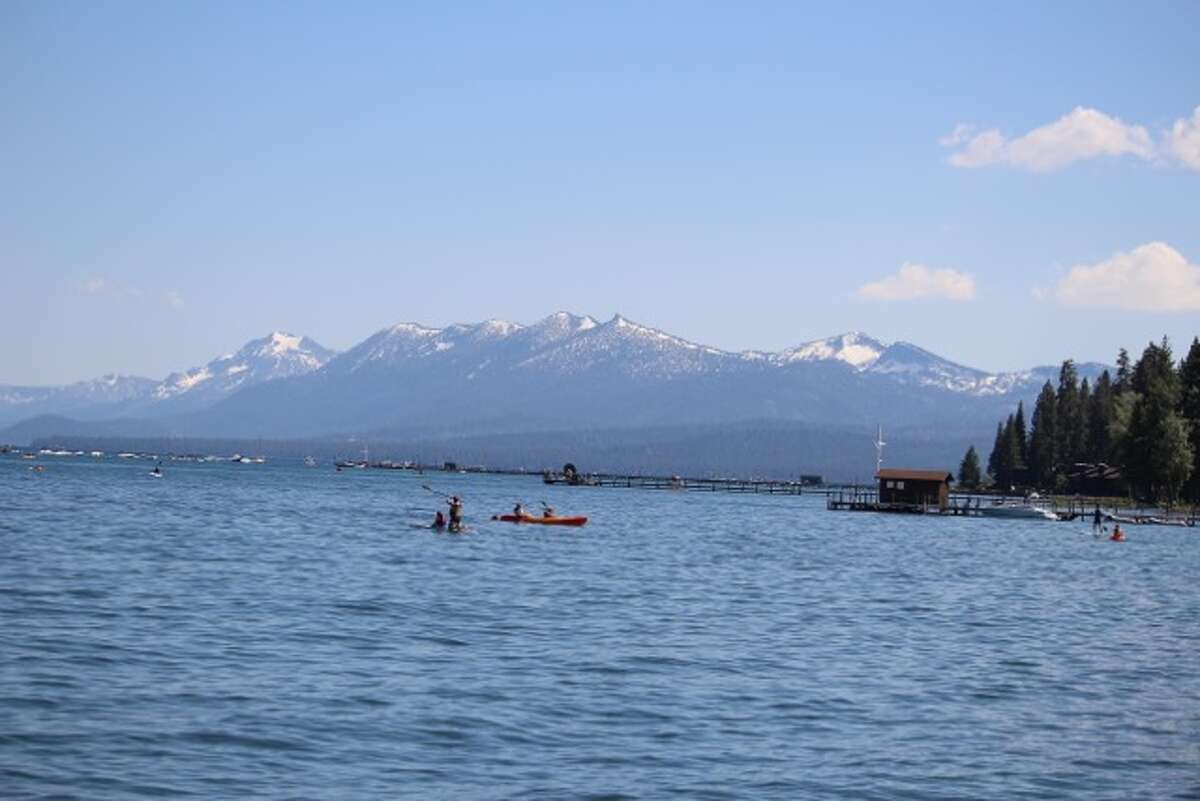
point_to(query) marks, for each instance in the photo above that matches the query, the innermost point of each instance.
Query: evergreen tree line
(1145, 422)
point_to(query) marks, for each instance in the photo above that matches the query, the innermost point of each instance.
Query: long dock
(681, 483)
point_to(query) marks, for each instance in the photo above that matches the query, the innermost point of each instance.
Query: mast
(879, 443)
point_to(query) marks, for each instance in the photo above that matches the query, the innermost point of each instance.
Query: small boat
(1019, 511)
(542, 521)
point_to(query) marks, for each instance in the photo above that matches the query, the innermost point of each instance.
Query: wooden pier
(680, 483)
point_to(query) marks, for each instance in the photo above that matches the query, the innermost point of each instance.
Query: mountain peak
(853, 347)
(412, 329)
(501, 328)
(569, 320)
(278, 354)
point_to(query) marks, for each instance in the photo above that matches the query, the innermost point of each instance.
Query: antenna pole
(879, 443)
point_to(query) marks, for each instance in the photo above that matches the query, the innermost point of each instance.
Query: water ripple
(279, 633)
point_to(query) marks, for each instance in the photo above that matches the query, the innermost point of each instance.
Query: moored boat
(1020, 511)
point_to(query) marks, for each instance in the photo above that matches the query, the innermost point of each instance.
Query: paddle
(435, 492)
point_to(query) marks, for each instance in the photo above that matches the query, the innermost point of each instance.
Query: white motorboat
(1020, 510)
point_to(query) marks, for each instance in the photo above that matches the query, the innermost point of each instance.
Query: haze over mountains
(563, 374)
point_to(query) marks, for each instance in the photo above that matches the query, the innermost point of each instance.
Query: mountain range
(564, 373)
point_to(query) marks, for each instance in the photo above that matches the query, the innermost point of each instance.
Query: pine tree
(968, 471)
(1043, 440)
(1118, 429)
(1121, 385)
(993, 465)
(1004, 459)
(1069, 421)
(1099, 415)
(1189, 408)
(1085, 404)
(1158, 455)
(1021, 435)
(1156, 364)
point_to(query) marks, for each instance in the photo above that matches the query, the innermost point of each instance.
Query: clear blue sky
(179, 178)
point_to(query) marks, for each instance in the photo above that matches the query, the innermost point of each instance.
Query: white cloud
(174, 299)
(1083, 134)
(104, 288)
(1182, 142)
(915, 281)
(1154, 277)
(89, 286)
(961, 133)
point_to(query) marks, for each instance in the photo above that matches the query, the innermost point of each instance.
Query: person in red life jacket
(1117, 535)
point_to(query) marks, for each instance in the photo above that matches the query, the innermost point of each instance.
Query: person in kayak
(547, 511)
(456, 513)
(519, 510)
(1117, 535)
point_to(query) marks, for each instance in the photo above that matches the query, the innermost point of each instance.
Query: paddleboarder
(456, 513)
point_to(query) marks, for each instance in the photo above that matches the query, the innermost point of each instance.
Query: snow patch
(499, 327)
(191, 379)
(414, 329)
(282, 343)
(853, 348)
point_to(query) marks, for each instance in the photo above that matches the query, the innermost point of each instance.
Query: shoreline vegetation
(1135, 435)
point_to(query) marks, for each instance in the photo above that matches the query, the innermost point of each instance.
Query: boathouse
(928, 489)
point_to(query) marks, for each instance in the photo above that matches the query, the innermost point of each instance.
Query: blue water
(241, 631)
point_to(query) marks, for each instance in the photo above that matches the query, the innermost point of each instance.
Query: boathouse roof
(903, 474)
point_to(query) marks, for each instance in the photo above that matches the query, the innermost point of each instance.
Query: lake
(278, 631)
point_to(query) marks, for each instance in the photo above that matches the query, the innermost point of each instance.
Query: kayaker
(519, 510)
(439, 520)
(456, 513)
(1117, 535)
(548, 511)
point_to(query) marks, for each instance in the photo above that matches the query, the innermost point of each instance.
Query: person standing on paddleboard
(1097, 522)
(456, 513)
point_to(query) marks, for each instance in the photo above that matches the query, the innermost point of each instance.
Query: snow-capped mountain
(628, 349)
(278, 355)
(564, 372)
(854, 348)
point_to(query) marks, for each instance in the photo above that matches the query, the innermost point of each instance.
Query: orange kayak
(542, 521)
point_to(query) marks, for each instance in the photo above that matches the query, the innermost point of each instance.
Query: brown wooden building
(916, 488)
